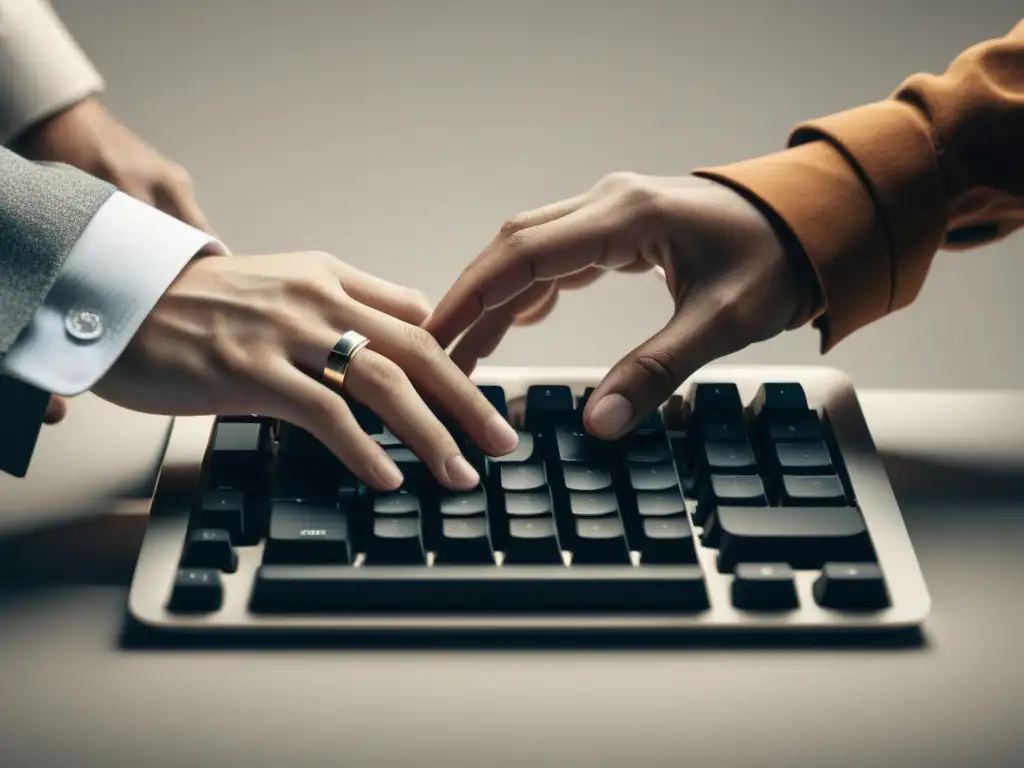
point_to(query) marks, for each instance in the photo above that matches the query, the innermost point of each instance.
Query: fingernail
(611, 414)
(461, 472)
(501, 435)
(390, 476)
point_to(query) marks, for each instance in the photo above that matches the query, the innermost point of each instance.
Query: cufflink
(84, 324)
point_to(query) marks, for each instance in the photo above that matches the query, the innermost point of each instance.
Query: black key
(581, 401)
(532, 540)
(296, 445)
(764, 586)
(395, 541)
(587, 479)
(716, 397)
(792, 427)
(593, 504)
(653, 477)
(600, 540)
(196, 590)
(728, 458)
(804, 537)
(729, 491)
(538, 589)
(400, 502)
(660, 503)
(666, 540)
(547, 405)
(210, 548)
(722, 426)
(523, 452)
(466, 504)
(652, 425)
(802, 458)
(522, 477)
(529, 504)
(238, 453)
(577, 447)
(496, 397)
(851, 586)
(224, 510)
(779, 397)
(464, 540)
(648, 449)
(812, 491)
(302, 532)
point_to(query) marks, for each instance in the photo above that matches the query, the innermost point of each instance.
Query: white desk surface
(73, 697)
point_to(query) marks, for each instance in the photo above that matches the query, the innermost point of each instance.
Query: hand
(730, 279)
(236, 335)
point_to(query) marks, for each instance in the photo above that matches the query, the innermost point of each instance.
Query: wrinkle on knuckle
(658, 366)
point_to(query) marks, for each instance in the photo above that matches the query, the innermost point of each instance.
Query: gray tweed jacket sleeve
(44, 208)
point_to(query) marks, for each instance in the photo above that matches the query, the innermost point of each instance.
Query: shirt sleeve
(42, 69)
(124, 261)
(871, 194)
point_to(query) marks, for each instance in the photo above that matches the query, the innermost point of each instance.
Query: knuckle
(387, 377)
(617, 180)
(420, 343)
(178, 176)
(512, 225)
(518, 242)
(732, 317)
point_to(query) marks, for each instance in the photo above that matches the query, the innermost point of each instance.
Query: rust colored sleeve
(873, 193)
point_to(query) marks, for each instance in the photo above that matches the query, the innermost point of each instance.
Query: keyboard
(753, 499)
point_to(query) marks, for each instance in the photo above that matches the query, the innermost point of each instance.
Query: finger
(432, 371)
(647, 376)
(381, 385)
(56, 410)
(181, 203)
(323, 413)
(542, 309)
(636, 266)
(549, 251)
(486, 333)
(407, 304)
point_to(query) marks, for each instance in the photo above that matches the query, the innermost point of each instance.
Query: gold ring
(341, 356)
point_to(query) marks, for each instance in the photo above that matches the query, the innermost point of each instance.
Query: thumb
(648, 376)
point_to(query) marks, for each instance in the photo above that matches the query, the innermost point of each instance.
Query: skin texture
(237, 335)
(89, 137)
(729, 278)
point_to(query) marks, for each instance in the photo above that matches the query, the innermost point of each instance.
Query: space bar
(291, 588)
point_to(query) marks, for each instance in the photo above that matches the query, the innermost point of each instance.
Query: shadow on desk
(100, 551)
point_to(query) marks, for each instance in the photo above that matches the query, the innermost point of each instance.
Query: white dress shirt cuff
(42, 69)
(127, 257)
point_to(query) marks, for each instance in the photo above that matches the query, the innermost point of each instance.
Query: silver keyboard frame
(828, 390)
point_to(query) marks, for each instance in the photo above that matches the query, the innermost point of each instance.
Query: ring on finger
(340, 357)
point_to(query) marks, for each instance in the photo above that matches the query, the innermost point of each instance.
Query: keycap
(804, 537)
(302, 532)
(735, 458)
(729, 491)
(802, 458)
(575, 446)
(593, 504)
(792, 426)
(400, 502)
(851, 586)
(721, 426)
(715, 397)
(812, 490)
(653, 477)
(465, 504)
(296, 445)
(579, 477)
(529, 504)
(546, 405)
(524, 451)
(224, 510)
(600, 540)
(464, 540)
(395, 541)
(386, 438)
(651, 425)
(522, 477)
(647, 449)
(495, 396)
(764, 586)
(660, 503)
(210, 548)
(196, 590)
(666, 540)
(516, 588)
(775, 397)
(532, 540)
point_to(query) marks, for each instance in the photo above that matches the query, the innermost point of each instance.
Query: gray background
(398, 135)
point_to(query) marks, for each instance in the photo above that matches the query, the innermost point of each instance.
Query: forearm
(871, 194)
